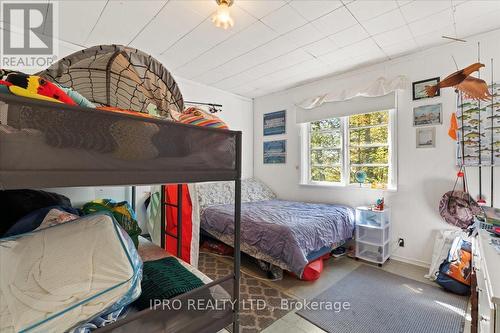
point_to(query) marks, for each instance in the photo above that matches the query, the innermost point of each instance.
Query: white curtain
(378, 95)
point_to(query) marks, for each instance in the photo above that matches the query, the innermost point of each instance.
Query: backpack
(455, 272)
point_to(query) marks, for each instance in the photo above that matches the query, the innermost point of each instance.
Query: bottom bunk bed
(82, 274)
(200, 310)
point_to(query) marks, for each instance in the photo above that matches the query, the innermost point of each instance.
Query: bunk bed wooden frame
(15, 110)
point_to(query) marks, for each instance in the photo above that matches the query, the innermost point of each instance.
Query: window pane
(367, 119)
(326, 124)
(325, 140)
(325, 156)
(377, 155)
(366, 136)
(326, 174)
(378, 175)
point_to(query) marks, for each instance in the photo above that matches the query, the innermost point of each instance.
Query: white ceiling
(274, 44)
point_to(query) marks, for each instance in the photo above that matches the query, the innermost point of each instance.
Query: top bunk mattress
(44, 144)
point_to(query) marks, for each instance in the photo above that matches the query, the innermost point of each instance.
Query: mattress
(149, 251)
(182, 320)
(284, 233)
(49, 156)
(92, 146)
(64, 275)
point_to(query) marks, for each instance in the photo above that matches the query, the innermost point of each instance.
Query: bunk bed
(44, 144)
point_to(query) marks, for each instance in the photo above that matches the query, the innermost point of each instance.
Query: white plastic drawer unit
(374, 253)
(371, 235)
(365, 216)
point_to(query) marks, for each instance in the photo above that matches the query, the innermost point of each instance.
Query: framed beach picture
(426, 115)
(426, 137)
(419, 88)
(275, 123)
(275, 152)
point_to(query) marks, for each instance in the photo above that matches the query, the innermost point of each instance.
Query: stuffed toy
(33, 86)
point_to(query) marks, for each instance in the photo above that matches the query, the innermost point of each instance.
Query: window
(325, 147)
(339, 147)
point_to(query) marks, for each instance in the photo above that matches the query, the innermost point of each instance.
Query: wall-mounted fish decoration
(482, 149)
(465, 116)
(470, 86)
(472, 135)
(468, 128)
(471, 142)
(473, 111)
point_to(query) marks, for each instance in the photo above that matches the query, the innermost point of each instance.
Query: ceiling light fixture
(222, 17)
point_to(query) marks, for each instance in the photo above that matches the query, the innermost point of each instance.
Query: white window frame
(305, 177)
(342, 156)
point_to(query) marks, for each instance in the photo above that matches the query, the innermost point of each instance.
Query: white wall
(237, 113)
(424, 175)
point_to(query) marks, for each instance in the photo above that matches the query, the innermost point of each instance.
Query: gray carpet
(385, 302)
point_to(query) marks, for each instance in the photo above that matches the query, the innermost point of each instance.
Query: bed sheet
(282, 232)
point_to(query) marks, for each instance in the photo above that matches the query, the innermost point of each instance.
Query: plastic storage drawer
(371, 235)
(365, 216)
(374, 253)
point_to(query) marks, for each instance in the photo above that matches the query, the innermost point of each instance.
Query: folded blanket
(163, 279)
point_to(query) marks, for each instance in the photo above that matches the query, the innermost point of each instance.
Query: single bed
(287, 234)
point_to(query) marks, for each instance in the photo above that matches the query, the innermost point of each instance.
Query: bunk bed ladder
(178, 205)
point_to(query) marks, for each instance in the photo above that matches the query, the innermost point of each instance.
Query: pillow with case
(56, 216)
(17, 204)
(34, 219)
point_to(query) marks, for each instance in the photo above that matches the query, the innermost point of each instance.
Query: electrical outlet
(401, 242)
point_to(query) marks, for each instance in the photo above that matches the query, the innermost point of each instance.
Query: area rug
(252, 320)
(383, 302)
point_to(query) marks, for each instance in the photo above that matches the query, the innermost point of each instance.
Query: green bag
(122, 212)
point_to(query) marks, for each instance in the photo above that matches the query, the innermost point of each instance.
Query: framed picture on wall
(419, 88)
(275, 123)
(275, 152)
(426, 137)
(426, 115)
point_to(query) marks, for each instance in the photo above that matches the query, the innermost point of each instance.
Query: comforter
(284, 233)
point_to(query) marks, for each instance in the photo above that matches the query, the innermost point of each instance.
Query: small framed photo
(275, 123)
(426, 137)
(426, 115)
(419, 88)
(275, 152)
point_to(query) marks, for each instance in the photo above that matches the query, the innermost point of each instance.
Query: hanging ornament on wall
(470, 86)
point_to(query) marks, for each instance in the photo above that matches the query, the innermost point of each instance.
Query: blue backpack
(455, 271)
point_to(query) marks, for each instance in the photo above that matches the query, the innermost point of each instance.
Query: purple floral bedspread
(287, 231)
